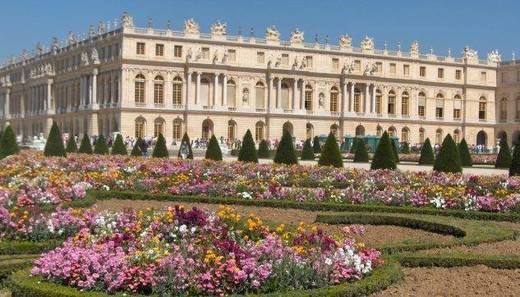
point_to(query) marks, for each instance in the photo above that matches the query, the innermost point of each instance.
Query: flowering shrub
(191, 252)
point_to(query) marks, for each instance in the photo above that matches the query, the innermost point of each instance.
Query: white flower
(183, 228)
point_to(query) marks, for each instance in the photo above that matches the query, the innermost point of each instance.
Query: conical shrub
(285, 153)
(8, 145)
(395, 150)
(263, 149)
(448, 159)
(504, 155)
(515, 162)
(427, 157)
(384, 156)
(101, 147)
(307, 151)
(464, 155)
(247, 152)
(330, 155)
(405, 148)
(72, 147)
(354, 145)
(85, 147)
(213, 151)
(361, 155)
(160, 150)
(185, 139)
(119, 147)
(316, 146)
(136, 150)
(54, 145)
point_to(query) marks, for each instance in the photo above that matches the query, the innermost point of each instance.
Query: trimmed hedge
(307, 151)
(11, 263)
(72, 147)
(464, 155)
(248, 150)
(119, 147)
(330, 155)
(285, 153)
(24, 285)
(11, 247)
(457, 260)
(384, 157)
(101, 147)
(54, 145)
(427, 157)
(213, 151)
(504, 157)
(8, 145)
(85, 147)
(361, 155)
(316, 146)
(448, 159)
(136, 150)
(514, 169)
(263, 150)
(160, 150)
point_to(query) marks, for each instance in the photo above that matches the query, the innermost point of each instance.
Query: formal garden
(89, 220)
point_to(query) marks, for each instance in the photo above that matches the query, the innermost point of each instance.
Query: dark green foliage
(54, 145)
(384, 156)
(285, 153)
(8, 145)
(464, 155)
(331, 156)
(119, 147)
(504, 155)
(263, 149)
(101, 147)
(427, 157)
(85, 147)
(395, 150)
(17, 247)
(136, 150)
(361, 155)
(308, 151)
(316, 146)
(457, 260)
(353, 148)
(186, 139)
(72, 147)
(405, 148)
(248, 150)
(448, 159)
(160, 150)
(213, 151)
(515, 162)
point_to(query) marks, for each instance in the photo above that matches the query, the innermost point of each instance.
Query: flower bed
(177, 251)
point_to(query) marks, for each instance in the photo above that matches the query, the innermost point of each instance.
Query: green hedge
(315, 206)
(24, 285)
(456, 260)
(11, 263)
(27, 247)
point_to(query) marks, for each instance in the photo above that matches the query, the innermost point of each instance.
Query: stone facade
(508, 101)
(142, 81)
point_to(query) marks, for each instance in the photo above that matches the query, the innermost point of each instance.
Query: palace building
(146, 81)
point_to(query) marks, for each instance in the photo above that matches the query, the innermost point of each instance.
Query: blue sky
(441, 24)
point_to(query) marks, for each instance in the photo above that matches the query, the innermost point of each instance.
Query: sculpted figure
(414, 48)
(494, 57)
(94, 55)
(218, 29)
(191, 27)
(272, 34)
(126, 20)
(345, 41)
(367, 43)
(84, 59)
(297, 37)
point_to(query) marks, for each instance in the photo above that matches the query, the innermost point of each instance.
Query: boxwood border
(12, 247)
(457, 260)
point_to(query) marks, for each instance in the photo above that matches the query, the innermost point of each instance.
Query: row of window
(107, 52)
(503, 109)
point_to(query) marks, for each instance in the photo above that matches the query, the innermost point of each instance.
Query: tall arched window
(379, 131)
(232, 130)
(287, 126)
(421, 104)
(108, 98)
(158, 127)
(177, 91)
(231, 93)
(482, 138)
(116, 89)
(334, 99)
(439, 108)
(405, 137)
(457, 106)
(421, 135)
(482, 106)
(177, 129)
(308, 97)
(100, 90)
(405, 101)
(438, 136)
(360, 131)
(140, 127)
(379, 100)
(357, 100)
(503, 109)
(259, 131)
(139, 89)
(391, 102)
(392, 132)
(158, 90)
(260, 95)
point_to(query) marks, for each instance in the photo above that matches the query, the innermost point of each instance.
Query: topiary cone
(54, 145)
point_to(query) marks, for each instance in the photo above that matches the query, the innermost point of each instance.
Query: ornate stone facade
(142, 81)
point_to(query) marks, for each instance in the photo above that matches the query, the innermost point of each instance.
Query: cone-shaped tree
(361, 155)
(464, 155)
(308, 151)
(504, 155)
(353, 147)
(448, 159)
(160, 150)
(263, 149)
(515, 162)
(405, 148)
(186, 139)
(427, 157)
(285, 153)
(395, 150)
(72, 147)
(247, 152)
(330, 155)
(54, 145)
(8, 145)
(316, 146)
(85, 147)
(136, 150)
(213, 151)
(101, 147)
(384, 156)
(119, 147)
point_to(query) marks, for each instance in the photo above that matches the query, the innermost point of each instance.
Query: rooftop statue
(272, 34)
(414, 48)
(39, 49)
(345, 41)
(470, 54)
(127, 20)
(71, 39)
(91, 31)
(367, 43)
(102, 29)
(297, 37)
(55, 44)
(191, 27)
(494, 57)
(218, 29)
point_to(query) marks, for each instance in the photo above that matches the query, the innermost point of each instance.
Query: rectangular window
(422, 71)
(116, 50)
(159, 50)
(334, 101)
(308, 100)
(285, 59)
(232, 55)
(483, 76)
(440, 73)
(456, 114)
(406, 70)
(335, 64)
(308, 61)
(140, 48)
(205, 53)
(260, 57)
(379, 67)
(420, 110)
(439, 112)
(458, 74)
(177, 51)
(393, 69)
(357, 65)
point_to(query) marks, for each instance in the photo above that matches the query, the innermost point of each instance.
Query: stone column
(344, 101)
(352, 85)
(224, 90)
(269, 92)
(7, 102)
(197, 89)
(215, 91)
(368, 104)
(188, 86)
(295, 89)
(49, 96)
(94, 86)
(302, 96)
(373, 99)
(278, 93)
